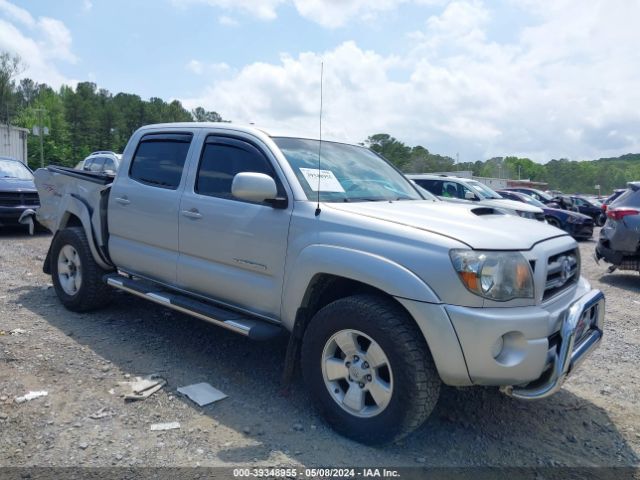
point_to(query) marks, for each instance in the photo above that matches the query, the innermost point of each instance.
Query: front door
(232, 250)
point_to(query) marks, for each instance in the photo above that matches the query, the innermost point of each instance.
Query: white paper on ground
(328, 181)
(165, 426)
(202, 393)
(32, 396)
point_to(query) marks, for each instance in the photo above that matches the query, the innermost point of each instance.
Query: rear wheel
(368, 369)
(77, 278)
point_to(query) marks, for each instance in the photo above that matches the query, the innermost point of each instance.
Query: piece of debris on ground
(202, 393)
(31, 396)
(141, 388)
(165, 426)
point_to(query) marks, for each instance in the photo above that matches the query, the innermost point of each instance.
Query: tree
(10, 67)
(393, 150)
(201, 115)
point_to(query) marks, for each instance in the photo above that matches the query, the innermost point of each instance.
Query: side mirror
(470, 195)
(254, 187)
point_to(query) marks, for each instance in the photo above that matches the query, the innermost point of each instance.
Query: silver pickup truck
(384, 294)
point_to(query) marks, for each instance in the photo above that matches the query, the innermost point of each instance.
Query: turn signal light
(620, 213)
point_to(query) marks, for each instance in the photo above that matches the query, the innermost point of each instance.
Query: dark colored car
(17, 191)
(536, 194)
(619, 242)
(577, 225)
(586, 207)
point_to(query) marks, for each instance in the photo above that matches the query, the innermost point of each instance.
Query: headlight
(529, 215)
(572, 219)
(499, 276)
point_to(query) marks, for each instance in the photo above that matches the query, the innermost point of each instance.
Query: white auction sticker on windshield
(328, 181)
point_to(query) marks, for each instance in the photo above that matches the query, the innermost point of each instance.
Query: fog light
(496, 349)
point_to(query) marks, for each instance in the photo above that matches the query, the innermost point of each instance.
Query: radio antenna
(320, 139)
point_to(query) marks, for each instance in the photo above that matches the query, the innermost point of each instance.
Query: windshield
(14, 169)
(483, 190)
(533, 201)
(347, 173)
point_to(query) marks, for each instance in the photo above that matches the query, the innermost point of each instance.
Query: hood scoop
(480, 211)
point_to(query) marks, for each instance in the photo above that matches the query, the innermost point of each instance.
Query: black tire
(93, 293)
(600, 220)
(553, 222)
(416, 383)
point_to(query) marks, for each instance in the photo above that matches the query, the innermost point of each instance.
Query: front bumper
(580, 230)
(10, 215)
(580, 333)
(521, 346)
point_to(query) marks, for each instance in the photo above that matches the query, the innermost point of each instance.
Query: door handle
(193, 213)
(123, 200)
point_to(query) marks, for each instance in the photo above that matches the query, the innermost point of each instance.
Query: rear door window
(433, 186)
(159, 159)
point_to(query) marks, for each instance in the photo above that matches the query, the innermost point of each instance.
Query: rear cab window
(159, 159)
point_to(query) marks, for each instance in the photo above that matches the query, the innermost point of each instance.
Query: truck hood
(473, 225)
(16, 185)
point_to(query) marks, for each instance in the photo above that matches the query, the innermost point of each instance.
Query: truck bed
(59, 186)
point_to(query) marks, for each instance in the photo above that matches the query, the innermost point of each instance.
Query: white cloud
(263, 9)
(16, 13)
(328, 13)
(40, 43)
(565, 87)
(227, 21)
(87, 5)
(199, 68)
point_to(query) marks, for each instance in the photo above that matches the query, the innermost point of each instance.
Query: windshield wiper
(8, 176)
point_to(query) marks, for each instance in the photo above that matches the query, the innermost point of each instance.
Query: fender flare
(374, 270)
(72, 205)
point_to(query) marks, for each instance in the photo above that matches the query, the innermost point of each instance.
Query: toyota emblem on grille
(565, 270)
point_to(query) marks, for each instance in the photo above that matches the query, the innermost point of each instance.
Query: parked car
(619, 242)
(539, 195)
(385, 295)
(606, 202)
(458, 189)
(103, 161)
(575, 224)
(17, 191)
(588, 207)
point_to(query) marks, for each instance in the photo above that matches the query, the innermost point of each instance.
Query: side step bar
(246, 325)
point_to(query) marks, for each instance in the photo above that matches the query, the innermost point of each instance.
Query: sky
(534, 78)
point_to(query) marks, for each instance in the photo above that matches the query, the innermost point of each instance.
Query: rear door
(232, 250)
(144, 203)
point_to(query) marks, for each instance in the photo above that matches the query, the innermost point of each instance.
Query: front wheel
(368, 369)
(77, 278)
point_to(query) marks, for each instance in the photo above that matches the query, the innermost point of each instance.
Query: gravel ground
(79, 358)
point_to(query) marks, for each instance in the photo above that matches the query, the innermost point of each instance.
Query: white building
(13, 142)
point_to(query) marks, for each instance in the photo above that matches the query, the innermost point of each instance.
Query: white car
(457, 189)
(101, 162)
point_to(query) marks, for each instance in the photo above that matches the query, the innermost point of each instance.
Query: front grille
(19, 199)
(563, 270)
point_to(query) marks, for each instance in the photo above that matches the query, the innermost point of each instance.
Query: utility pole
(41, 132)
(457, 161)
